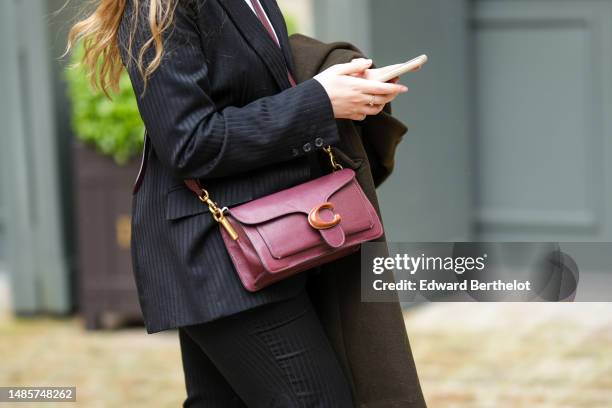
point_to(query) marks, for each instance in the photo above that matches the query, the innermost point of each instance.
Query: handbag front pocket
(298, 225)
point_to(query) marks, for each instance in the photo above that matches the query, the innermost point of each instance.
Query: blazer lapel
(256, 35)
(278, 21)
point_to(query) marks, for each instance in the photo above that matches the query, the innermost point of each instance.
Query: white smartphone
(403, 68)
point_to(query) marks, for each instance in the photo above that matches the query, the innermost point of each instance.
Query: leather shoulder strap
(194, 185)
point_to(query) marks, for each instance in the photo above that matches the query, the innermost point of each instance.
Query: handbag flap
(283, 220)
(298, 199)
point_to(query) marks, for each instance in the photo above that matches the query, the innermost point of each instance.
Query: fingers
(369, 111)
(354, 96)
(354, 67)
(378, 99)
(358, 116)
(364, 111)
(372, 110)
(377, 88)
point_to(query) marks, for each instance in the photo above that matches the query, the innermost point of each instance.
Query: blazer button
(295, 152)
(318, 142)
(307, 147)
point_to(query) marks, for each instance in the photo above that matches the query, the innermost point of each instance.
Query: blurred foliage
(292, 24)
(111, 126)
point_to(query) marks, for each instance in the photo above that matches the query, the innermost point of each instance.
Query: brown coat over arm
(369, 338)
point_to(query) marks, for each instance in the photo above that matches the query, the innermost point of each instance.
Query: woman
(216, 93)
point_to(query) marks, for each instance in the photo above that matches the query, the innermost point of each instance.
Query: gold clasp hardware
(332, 158)
(217, 214)
(315, 220)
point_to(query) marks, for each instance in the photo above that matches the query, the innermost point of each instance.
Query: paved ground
(468, 355)
(514, 355)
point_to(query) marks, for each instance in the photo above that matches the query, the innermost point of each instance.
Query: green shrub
(113, 127)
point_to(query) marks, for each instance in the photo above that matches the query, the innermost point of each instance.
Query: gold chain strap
(218, 213)
(332, 158)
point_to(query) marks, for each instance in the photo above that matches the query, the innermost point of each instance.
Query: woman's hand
(354, 96)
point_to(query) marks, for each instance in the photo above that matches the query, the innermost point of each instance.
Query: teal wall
(544, 94)
(429, 196)
(510, 131)
(33, 230)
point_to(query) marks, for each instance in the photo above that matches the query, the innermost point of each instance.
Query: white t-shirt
(269, 22)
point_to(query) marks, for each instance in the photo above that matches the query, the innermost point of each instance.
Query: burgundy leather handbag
(290, 231)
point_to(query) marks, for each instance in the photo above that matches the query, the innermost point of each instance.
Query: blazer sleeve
(195, 139)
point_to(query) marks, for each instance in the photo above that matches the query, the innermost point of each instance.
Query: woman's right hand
(353, 97)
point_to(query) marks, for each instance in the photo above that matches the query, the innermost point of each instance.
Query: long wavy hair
(99, 31)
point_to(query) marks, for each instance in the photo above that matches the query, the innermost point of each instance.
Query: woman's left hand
(372, 74)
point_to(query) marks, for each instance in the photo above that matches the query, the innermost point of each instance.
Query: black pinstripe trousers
(273, 356)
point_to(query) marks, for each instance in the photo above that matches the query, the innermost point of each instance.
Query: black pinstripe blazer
(219, 108)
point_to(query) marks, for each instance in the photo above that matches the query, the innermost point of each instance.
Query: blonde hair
(99, 34)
